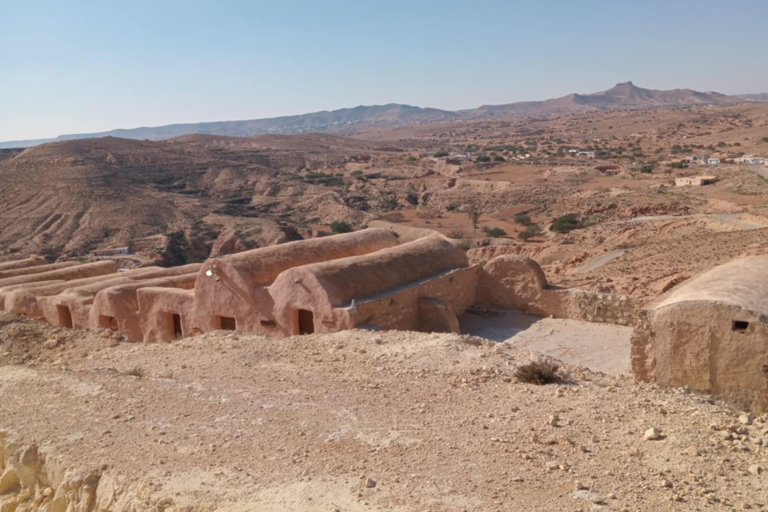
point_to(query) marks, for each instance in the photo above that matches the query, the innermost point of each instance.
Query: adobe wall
(694, 344)
(156, 307)
(36, 269)
(117, 307)
(99, 268)
(77, 300)
(517, 282)
(236, 288)
(32, 261)
(6, 290)
(400, 309)
(25, 298)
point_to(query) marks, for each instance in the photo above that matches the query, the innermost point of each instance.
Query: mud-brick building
(710, 334)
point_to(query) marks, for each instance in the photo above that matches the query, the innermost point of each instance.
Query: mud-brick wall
(400, 310)
(601, 307)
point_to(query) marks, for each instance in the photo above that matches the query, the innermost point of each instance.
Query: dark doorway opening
(65, 316)
(740, 326)
(227, 323)
(176, 325)
(306, 322)
(108, 322)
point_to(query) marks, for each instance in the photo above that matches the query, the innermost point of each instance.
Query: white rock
(652, 434)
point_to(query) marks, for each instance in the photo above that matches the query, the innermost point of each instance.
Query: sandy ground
(599, 347)
(360, 421)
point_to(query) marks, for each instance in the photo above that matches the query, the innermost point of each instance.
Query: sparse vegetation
(529, 232)
(494, 232)
(339, 226)
(538, 372)
(523, 219)
(456, 234)
(473, 211)
(566, 224)
(136, 372)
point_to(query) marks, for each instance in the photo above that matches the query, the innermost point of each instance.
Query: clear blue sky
(70, 66)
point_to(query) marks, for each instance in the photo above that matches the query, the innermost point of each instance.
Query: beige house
(709, 334)
(694, 181)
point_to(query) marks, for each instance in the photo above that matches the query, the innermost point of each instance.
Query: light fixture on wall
(211, 271)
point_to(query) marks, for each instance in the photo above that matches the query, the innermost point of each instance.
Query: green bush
(357, 173)
(529, 232)
(339, 226)
(647, 168)
(566, 224)
(483, 159)
(499, 158)
(441, 154)
(523, 219)
(764, 139)
(494, 232)
(677, 165)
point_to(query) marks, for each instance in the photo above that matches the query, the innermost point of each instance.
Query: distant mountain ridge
(622, 96)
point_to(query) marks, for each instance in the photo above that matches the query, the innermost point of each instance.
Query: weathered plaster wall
(32, 261)
(36, 269)
(99, 268)
(399, 308)
(694, 344)
(517, 282)
(236, 289)
(156, 307)
(117, 307)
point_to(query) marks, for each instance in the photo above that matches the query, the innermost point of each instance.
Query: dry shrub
(136, 372)
(538, 372)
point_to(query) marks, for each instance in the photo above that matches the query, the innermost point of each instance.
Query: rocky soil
(354, 421)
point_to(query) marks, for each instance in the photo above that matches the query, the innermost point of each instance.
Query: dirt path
(597, 262)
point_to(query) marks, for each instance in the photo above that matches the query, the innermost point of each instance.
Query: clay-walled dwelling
(710, 334)
(373, 279)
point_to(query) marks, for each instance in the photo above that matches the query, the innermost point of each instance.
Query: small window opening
(227, 323)
(176, 325)
(268, 323)
(65, 316)
(739, 326)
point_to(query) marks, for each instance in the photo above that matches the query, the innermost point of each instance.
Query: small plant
(441, 154)
(494, 232)
(483, 159)
(456, 233)
(136, 372)
(412, 158)
(474, 214)
(646, 169)
(529, 232)
(339, 226)
(566, 224)
(523, 219)
(538, 372)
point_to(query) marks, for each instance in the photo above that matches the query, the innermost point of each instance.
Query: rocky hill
(623, 96)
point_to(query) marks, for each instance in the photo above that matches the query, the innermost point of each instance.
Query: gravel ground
(360, 421)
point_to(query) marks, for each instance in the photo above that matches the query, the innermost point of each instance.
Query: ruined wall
(36, 269)
(598, 307)
(696, 344)
(517, 282)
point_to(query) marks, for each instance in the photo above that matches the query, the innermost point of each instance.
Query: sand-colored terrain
(356, 421)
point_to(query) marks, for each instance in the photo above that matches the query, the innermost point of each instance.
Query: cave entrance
(176, 325)
(108, 322)
(65, 316)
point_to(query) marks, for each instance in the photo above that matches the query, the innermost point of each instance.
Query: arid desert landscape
(555, 305)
